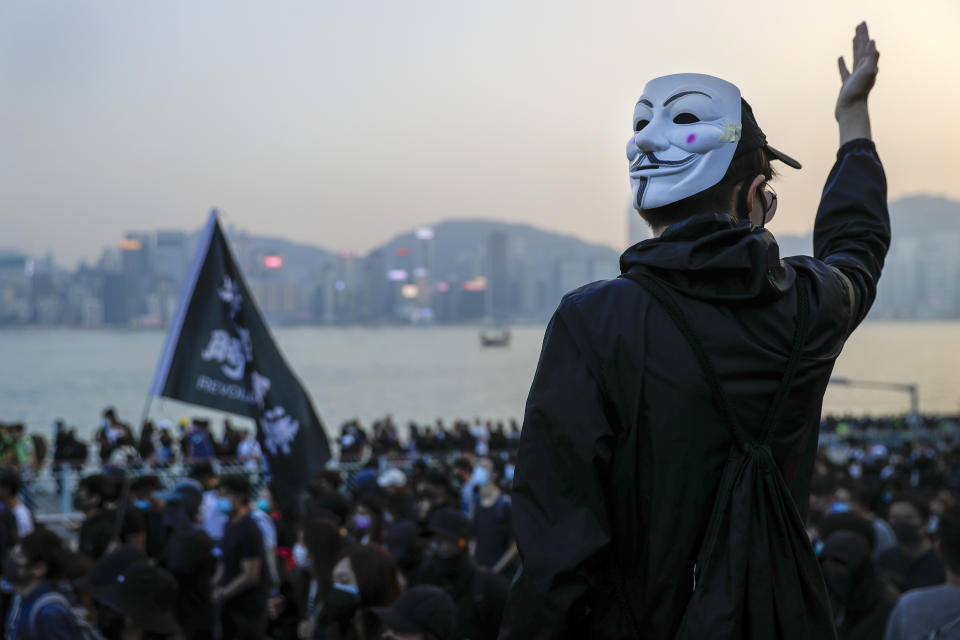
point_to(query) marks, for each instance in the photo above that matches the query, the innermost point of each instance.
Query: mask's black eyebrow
(646, 102)
(681, 94)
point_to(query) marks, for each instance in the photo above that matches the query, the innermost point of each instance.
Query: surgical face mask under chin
(686, 129)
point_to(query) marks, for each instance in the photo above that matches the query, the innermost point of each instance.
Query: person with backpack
(39, 610)
(671, 429)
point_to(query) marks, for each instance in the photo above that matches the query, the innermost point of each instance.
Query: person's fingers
(844, 74)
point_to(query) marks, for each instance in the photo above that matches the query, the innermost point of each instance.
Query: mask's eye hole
(640, 124)
(685, 118)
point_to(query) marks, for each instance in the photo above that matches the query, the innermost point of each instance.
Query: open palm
(858, 83)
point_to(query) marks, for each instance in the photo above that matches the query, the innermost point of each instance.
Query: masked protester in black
(480, 595)
(861, 599)
(363, 577)
(189, 558)
(914, 563)
(628, 429)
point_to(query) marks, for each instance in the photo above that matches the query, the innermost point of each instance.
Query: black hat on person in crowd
(146, 594)
(450, 522)
(108, 568)
(420, 609)
(752, 137)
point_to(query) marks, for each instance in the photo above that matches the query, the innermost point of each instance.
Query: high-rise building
(137, 274)
(498, 268)
(170, 258)
(113, 294)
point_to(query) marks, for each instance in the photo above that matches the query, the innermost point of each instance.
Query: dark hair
(43, 545)
(916, 500)
(107, 487)
(201, 470)
(322, 539)
(949, 531)
(716, 199)
(376, 574)
(238, 485)
(847, 521)
(10, 479)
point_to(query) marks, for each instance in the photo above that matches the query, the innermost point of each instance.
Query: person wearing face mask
(492, 521)
(367, 523)
(189, 558)
(862, 600)
(363, 577)
(701, 367)
(479, 594)
(318, 548)
(241, 578)
(143, 499)
(260, 510)
(914, 562)
(933, 612)
(39, 611)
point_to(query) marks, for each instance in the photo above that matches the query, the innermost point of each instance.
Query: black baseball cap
(111, 566)
(146, 594)
(420, 609)
(752, 137)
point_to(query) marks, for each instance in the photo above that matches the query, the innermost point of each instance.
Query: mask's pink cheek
(691, 138)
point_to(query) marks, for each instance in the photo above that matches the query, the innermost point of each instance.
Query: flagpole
(146, 411)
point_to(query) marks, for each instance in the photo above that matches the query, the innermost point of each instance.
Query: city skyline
(455, 272)
(345, 125)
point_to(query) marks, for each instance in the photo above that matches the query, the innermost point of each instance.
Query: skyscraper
(498, 291)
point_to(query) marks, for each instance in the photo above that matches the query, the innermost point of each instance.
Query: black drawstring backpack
(756, 575)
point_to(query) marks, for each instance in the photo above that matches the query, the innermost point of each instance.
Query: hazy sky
(341, 124)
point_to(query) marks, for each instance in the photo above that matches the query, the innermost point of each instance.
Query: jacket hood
(714, 257)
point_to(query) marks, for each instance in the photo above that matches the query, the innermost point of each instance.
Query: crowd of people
(416, 542)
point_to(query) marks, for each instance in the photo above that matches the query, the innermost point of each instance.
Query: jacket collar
(714, 257)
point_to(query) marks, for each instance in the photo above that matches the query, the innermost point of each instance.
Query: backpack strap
(659, 291)
(936, 633)
(51, 597)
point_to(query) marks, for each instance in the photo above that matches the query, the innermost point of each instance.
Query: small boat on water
(495, 339)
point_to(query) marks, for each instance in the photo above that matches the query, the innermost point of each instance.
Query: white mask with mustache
(686, 128)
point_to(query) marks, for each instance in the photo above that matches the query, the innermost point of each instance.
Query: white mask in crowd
(686, 128)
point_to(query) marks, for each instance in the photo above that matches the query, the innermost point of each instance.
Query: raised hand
(858, 83)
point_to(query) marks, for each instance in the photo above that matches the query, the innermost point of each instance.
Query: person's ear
(752, 197)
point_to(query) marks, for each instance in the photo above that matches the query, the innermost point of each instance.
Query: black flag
(219, 354)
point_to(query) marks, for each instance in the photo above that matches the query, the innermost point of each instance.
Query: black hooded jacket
(622, 445)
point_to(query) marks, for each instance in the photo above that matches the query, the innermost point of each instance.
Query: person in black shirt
(240, 590)
(496, 548)
(479, 595)
(189, 558)
(914, 562)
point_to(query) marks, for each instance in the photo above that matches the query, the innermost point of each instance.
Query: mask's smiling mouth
(668, 166)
